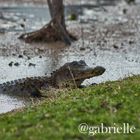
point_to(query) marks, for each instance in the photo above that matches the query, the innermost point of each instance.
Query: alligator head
(74, 73)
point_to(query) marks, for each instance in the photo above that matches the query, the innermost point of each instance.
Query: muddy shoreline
(108, 37)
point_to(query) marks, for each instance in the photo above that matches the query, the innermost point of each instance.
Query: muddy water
(117, 52)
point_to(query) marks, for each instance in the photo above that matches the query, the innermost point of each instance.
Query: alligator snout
(99, 70)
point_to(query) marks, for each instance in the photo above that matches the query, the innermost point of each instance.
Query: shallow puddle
(9, 103)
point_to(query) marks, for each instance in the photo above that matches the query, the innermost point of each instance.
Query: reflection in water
(55, 57)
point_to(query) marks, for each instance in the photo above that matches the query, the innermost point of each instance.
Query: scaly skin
(69, 75)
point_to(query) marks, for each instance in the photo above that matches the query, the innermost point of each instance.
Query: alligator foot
(35, 93)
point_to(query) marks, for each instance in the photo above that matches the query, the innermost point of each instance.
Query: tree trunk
(55, 30)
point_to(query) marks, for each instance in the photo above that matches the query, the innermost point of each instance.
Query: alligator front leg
(34, 92)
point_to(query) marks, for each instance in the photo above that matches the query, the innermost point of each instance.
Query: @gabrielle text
(92, 130)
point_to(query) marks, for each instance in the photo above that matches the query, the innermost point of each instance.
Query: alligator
(71, 75)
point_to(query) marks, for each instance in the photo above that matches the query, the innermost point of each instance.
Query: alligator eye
(82, 62)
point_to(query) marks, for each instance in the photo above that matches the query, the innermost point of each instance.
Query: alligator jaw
(90, 72)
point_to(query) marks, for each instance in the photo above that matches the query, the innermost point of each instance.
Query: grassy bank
(59, 117)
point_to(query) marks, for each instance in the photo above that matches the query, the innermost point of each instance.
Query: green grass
(59, 117)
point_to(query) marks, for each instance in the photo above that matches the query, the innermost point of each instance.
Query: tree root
(49, 33)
